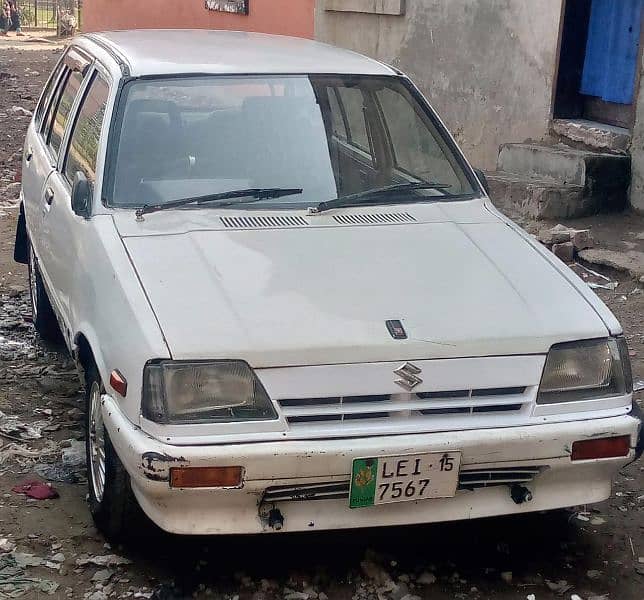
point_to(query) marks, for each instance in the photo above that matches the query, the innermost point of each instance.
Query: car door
(75, 69)
(67, 231)
(37, 162)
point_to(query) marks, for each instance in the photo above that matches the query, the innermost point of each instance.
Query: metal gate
(49, 14)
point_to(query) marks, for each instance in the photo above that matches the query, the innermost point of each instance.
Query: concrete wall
(487, 66)
(637, 149)
(287, 17)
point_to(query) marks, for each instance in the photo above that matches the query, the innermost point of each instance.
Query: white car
(294, 305)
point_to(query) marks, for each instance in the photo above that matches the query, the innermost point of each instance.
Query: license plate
(389, 479)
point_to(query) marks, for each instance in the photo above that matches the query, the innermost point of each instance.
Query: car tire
(112, 503)
(43, 315)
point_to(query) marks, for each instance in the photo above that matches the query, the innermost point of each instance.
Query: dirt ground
(587, 552)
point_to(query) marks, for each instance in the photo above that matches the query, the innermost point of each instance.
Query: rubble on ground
(560, 234)
(630, 261)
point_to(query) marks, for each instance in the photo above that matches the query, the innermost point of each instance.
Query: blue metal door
(612, 50)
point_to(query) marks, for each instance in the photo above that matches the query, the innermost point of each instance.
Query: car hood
(319, 290)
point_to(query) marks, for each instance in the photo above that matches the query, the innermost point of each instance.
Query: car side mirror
(483, 180)
(81, 195)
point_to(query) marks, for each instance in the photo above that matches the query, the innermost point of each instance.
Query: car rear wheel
(111, 500)
(42, 313)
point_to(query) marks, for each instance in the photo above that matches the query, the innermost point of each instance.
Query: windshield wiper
(233, 197)
(367, 195)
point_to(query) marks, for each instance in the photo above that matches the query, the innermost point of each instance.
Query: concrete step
(604, 177)
(596, 136)
(518, 195)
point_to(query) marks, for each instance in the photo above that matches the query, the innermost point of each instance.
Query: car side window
(84, 139)
(48, 117)
(416, 148)
(48, 93)
(337, 118)
(353, 102)
(63, 109)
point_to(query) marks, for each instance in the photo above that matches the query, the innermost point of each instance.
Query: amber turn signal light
(206, 477)
(612, 447)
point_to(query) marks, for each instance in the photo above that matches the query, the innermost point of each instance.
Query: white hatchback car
(293, 302)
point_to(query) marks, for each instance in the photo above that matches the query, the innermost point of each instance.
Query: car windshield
(331, 136)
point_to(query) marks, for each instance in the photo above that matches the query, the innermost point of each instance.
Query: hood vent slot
(374, 219)
(263, 222)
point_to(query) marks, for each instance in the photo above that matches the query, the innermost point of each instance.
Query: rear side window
(353, 102)
(47, 95)
(63, 109)
(83, 145)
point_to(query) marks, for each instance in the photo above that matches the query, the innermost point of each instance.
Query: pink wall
(288, 17)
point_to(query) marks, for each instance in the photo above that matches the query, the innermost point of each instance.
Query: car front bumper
(292, 464)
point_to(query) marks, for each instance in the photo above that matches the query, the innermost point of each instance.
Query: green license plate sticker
(391, 479)
(363, 482)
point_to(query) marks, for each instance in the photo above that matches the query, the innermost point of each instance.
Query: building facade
(504, 72)
(499, 72)
(286, 17)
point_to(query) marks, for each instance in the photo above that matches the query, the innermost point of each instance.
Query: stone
(593, 574)
(20, 111)
(582, 239)
(399, 591)
(631, 261)
(13, 189)
(297, 596)
(426, 578)
(555, 235)
(375, 572)
(564, 251)
(102, 576)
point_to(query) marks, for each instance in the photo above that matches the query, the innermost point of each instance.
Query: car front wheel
(42, 313)
(112, 503)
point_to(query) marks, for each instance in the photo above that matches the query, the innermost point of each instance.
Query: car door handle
(29, 155)
(49, 196)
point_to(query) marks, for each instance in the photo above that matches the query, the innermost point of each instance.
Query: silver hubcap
(96, 442)
(33, 290)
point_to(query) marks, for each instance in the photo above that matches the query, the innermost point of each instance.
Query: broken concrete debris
(593, 279)
(106, 560)
(566, 242)
(559, 234)
(14, 582)
(631, 261)
(564, 251)
(20, 111)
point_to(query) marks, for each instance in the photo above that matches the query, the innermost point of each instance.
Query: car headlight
(586, 370)
(203, 392)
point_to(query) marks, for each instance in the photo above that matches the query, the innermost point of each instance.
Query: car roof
(176, 51)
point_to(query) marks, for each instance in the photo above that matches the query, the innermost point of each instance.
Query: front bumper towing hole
(520, 494)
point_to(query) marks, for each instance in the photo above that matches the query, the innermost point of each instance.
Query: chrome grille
(468, 479)
(263, 222)
(425, 404)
